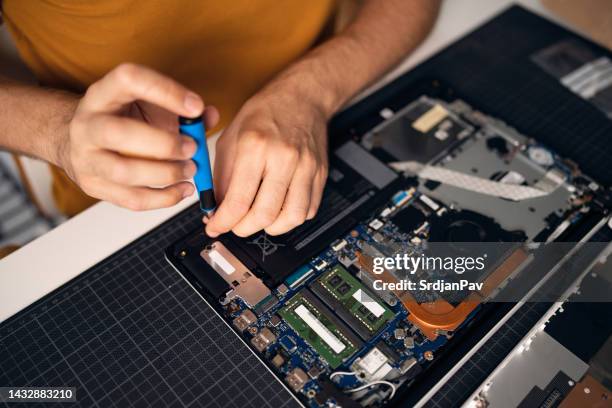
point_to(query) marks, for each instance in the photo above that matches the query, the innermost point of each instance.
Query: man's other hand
(123, 144)
(271, 162)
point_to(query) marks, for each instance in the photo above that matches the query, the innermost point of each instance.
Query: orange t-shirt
(224, 50)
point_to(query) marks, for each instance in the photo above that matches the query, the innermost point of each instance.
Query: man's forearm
(383, 33)
(33, 120)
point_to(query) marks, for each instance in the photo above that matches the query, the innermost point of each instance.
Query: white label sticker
(221, 262)
(323, 332)
(370, 304)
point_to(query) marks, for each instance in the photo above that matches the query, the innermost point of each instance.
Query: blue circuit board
(290, 350)
(298, 353)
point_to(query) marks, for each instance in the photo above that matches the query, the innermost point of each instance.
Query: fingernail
(190, 169)
(189, 147)
(193, 103)
(188, 191)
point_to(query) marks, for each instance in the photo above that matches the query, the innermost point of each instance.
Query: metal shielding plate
(244, 284)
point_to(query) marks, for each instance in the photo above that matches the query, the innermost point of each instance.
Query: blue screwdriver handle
(194, 128)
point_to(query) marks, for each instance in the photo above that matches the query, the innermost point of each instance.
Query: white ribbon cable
(468, 182)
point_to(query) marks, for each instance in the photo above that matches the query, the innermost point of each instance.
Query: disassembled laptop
(434, 171)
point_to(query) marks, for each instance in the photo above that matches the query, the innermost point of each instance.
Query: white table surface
(63, 253)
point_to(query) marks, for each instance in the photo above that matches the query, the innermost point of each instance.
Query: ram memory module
(318, 326)
(363, 311)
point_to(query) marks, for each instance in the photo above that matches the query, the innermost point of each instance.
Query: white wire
(337, 373)
(368, 385)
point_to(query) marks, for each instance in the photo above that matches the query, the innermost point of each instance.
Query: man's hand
(271, 162)
(123, 144)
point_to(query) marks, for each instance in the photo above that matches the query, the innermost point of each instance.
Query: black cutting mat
(130, 332)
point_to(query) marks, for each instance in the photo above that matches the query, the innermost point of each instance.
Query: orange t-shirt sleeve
(224, 50)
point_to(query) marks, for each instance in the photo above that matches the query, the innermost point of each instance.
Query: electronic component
(370, 363)
(368, 278)
(314, 372)
(244, 320)
(392, 355)
(275, 320)
(263, 339)
(369, 370)
(299, 276)
(355, 304)
(338, 245)
(409, 342)
(430, 203)
(376, 224)
(266, 304)
(345, 260)
(421, 229)
(233, 307)
(318, 326)
(430, 118)
(399, 333)
(320, 329)
(288, 344)
(378, 237)
(296, 379)
(410, 368)
(383, 372)
(386, 212)
(402, 197)
(282, 289)
(278, 361)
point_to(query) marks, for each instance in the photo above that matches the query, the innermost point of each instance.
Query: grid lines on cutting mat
(130, 332)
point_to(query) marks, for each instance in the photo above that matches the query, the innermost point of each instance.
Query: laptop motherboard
(312, 304)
